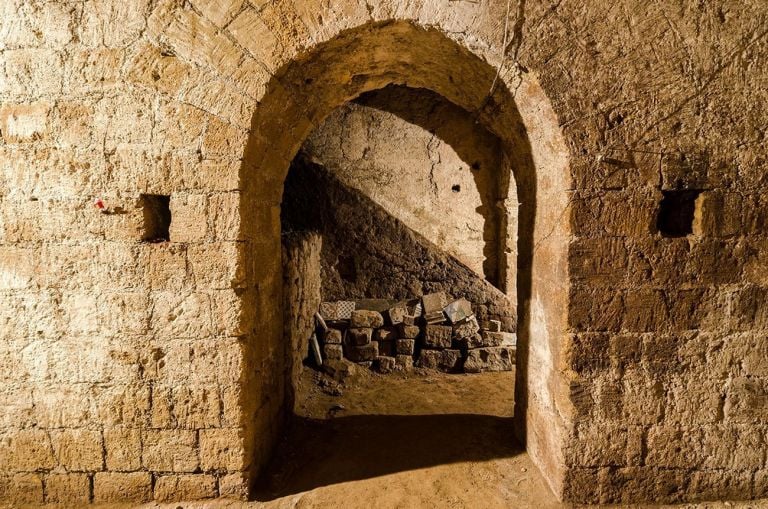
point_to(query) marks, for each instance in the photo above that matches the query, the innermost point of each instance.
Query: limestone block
(333, 337)
(395, 314)
(595, 311)
(438, 336)
(362, 353)
(78, 450)
(196, 407)
(494, 326)
(405, 346)
(253, 34)
(403, 362)
(467, 328)
(20, 123)
(358, 337)
(747, 400)
(169, 450)
(492, 338)
(21, 489)
(93, 70)
(408, 331)
(131, 487)
(168, 266)
(224, 210)
(123, 404)
(443, 360)
(233, 486)
(222, 139)
(123, 448)
(384, 364)
(218, 265)
(189, 221)
(180, 126)
(31, 71)
(332, 351)
(645, 310)
(67, 489)
(222, 449)
(112, 23)
(181, 315)
(434, 302)
(170, 488)
(26, 450)
(366, 318)
(490, 359)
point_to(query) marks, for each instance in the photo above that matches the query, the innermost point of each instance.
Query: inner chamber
(401, 207)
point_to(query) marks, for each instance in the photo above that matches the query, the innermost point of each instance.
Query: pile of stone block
(430, 332)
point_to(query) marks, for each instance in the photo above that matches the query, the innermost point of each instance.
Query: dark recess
(676, 212)
(157, 217)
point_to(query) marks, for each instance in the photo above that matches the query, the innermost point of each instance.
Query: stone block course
(122, 487)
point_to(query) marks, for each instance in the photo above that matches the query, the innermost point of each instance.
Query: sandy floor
(424, 440)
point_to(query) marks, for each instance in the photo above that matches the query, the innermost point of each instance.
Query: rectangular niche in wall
(676, 212)
(157, 217)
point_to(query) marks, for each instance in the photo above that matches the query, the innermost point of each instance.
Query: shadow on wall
(315, 453)
(472, 143)
(367, 253)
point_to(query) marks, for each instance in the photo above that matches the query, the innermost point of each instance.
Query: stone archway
(300, 95)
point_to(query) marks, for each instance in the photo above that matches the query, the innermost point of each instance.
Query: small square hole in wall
(676, 212)
(157, 217)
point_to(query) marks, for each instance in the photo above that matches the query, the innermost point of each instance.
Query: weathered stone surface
(395, 314)
(339, 369)
(332, 352)
(366, 318)
(493, 326)
(384, 364)
(492, 338)
(358, 337)
(443, 360)
(490, 359)
(405, 346)
(363, 353)
(404, 362)
(467, 328)
(408, 331)
(67, 489)
(170, 488)
(438, 336)
(122, 487)
(333, 337)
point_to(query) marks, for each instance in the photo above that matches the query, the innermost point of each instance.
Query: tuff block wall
(133, 370)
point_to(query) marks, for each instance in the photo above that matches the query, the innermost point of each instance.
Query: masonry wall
(134, 370)
(301, 300)
(368, 253)
(428, 163)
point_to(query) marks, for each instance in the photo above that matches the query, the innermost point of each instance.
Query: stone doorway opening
(398, 229)
(299, 99)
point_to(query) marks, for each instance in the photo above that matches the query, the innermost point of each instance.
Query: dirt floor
(418, 440)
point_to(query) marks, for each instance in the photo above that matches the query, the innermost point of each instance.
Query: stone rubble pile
(428, 332)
